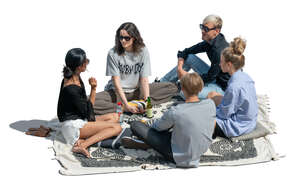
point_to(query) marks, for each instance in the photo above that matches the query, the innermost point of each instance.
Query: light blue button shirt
(237, 113)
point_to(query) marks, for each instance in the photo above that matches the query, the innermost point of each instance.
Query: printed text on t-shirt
(128, 69)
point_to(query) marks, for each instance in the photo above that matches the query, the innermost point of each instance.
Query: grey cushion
(259, 131)
(263, 126)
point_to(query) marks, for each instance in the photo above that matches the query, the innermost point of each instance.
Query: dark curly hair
(132, 30)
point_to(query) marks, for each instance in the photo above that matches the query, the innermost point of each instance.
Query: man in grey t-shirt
(192, 126)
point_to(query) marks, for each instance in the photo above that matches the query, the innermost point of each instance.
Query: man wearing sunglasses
(213, 43)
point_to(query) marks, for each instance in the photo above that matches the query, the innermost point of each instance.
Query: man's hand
(180, 71)
(180, 62)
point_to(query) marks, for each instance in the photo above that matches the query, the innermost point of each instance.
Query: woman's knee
(117, 128)
(114, 117)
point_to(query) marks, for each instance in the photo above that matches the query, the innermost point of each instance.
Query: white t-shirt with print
(129, 67)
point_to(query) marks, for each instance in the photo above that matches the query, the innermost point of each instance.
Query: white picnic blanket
(249, 149)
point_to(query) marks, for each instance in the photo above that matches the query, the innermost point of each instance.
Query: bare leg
(111, 117)
(93, 132)
(216, 97)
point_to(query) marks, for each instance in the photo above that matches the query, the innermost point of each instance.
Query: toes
(81, 150)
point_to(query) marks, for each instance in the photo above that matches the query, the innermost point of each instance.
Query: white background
(35, 36)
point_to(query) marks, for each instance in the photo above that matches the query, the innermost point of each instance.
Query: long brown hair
(132, 30)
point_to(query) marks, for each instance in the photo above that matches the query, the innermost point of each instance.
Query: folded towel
(141, 104)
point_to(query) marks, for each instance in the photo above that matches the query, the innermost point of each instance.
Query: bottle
(119, 111)
(149, 112)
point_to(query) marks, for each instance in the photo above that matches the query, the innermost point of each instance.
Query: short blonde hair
(215, 19)
(192, 83)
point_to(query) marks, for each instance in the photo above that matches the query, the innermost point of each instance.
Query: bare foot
(79, 142)
(81, 150)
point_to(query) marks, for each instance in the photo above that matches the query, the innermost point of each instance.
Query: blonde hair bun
(238, 46)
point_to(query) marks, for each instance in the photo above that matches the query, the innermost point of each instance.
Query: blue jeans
(199, 66)
(158, 140)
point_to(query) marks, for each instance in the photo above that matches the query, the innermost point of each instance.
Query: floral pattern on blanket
(219, 151)
(105, 157)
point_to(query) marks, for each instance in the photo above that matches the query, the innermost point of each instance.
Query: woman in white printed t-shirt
(128, 64)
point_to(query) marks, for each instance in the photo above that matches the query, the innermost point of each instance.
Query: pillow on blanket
(259, 131)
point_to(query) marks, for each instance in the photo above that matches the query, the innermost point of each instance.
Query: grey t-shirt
(129, 66)
(193, 126)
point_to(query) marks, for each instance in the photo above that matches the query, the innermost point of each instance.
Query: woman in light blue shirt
(237, 110)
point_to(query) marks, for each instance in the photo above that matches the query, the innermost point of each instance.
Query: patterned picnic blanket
(249, 149)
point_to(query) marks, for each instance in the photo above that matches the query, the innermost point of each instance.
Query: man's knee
(135, 126)
(191, 58)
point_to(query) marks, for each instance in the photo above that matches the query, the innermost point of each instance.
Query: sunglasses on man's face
(127, 38)
(206, 29)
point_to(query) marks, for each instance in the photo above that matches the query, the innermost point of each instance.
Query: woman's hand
(93, 82)
(145, 89)
(131, 109)
(141, 110)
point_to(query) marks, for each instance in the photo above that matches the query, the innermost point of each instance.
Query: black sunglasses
(206, 29)
(127, 38)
